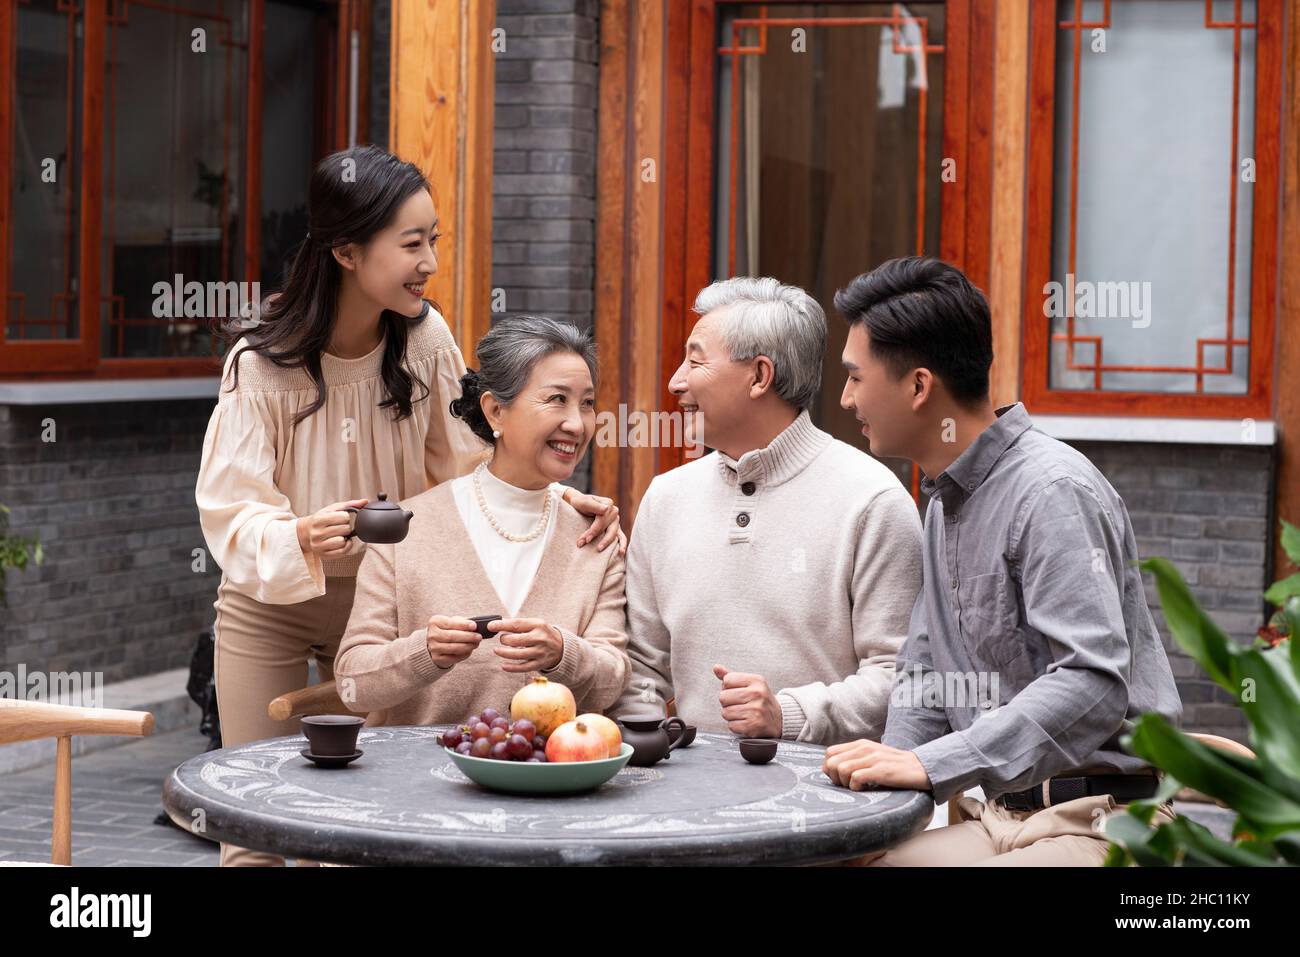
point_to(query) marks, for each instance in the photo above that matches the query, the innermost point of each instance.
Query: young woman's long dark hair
(295, 323)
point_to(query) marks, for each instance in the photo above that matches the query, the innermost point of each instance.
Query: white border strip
(1187, 431)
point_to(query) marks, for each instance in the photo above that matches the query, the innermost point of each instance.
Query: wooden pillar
(1287, 396)
(1011, 74)
(441, 119)
(629, 231)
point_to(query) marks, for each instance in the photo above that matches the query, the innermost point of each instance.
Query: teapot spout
(409, 515)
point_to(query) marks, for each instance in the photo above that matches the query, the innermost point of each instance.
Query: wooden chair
(1186, 794)
(33, 720)
(1222, 744)
(322, 698)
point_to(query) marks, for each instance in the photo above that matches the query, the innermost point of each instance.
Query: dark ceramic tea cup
(481, 624)
(757, 750)
(332, 735)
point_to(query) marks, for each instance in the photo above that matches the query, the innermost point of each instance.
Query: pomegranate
(576, 741)
(607, 729)
(547, 704)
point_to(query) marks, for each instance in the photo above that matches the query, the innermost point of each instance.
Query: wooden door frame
(964, 215)
(658, 75)
(1287, 400)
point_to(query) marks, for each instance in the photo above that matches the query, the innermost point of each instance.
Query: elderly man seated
(769, 583)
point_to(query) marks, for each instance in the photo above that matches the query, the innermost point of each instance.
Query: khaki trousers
(988, 835)
(261, 653)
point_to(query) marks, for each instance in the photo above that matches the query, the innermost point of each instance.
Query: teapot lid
(383, 505)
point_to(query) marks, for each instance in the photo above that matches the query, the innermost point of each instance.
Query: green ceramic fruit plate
(521, 777)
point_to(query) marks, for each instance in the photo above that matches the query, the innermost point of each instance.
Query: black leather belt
(1124, 788)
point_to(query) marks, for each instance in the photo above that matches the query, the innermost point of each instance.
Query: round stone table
(404, 802)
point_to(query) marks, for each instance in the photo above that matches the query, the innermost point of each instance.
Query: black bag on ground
(202, 687)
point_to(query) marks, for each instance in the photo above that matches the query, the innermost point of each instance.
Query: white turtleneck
(510, 566)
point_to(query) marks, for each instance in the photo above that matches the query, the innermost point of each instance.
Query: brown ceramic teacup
(481, 623)
(332, 735)
(757, 750)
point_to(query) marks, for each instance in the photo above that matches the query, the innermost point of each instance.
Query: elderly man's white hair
(772, 319)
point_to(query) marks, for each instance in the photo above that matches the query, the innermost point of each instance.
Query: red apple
(607, 729)
(576, 741)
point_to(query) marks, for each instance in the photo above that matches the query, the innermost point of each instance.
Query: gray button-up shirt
(1031, 649)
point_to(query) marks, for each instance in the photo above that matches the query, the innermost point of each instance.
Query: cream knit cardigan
(383, 665)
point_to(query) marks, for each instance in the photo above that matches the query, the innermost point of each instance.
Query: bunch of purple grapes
(492, 735)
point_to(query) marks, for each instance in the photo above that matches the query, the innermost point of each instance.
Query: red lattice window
(1151, 267)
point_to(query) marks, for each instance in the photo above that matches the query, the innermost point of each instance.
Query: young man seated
(1030, 588)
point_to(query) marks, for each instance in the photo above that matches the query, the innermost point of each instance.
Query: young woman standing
(340, 391)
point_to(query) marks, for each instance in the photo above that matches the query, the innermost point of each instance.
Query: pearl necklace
(491, 519)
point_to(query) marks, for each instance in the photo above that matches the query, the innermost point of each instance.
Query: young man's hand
(862, 764)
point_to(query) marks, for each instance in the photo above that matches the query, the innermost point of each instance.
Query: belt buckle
(1017, 801)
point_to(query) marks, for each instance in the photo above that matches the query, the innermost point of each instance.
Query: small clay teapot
(380, 523)
(648, 735)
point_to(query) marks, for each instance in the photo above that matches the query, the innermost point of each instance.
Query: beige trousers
(988, 835)
(261, 653)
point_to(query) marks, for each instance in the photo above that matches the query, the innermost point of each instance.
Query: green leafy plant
(14, 552)
(1264, 791)
(1284, 593)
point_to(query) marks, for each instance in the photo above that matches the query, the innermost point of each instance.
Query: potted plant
(1264, 790)
(14, 552)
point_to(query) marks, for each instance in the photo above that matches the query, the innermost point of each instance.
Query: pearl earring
(496, 433)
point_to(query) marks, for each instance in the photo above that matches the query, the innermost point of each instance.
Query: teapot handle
(671, 722)
(353, 510)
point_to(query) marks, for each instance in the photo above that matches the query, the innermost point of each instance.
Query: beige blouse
(260, 473)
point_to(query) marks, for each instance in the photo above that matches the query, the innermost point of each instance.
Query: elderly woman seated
(499, 541)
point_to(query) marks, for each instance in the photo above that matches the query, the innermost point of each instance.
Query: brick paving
(116, 795)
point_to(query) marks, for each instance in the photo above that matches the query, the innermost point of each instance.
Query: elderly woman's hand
(451, 639)
(605, 519)
(527, 644)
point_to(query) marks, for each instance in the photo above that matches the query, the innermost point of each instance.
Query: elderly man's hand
(863, 764)
(604, 515)
(748, 705)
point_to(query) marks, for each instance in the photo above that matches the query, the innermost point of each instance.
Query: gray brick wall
(112, 501)
(544, 163)
(1206, 509)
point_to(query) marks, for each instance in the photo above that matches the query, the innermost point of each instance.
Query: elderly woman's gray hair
(506, 357)
(769, 318)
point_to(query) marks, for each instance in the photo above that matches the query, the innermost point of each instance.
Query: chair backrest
(35, 720)
(320, 698)
(1222, 744)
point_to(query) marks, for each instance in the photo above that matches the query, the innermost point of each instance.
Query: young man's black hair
(921, 311)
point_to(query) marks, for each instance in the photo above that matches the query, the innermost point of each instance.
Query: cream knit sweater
(800, 562)
(383, 665)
